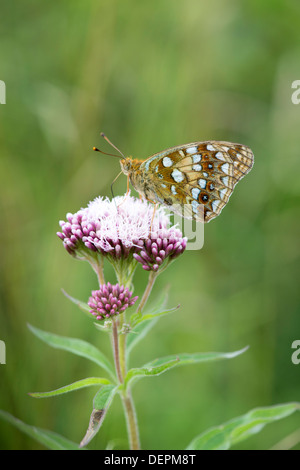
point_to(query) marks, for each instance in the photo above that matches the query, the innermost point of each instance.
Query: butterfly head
(126, 165)
(130, 166)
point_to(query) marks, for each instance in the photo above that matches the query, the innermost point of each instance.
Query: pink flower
(110, 300)
(166, 246)
(120, 228)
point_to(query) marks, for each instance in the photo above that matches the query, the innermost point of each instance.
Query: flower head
(112, 227)
(168, 244)
(122, 227)
(110, 300)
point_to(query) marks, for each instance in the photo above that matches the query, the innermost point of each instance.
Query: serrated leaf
(49, 439)
(102, 402)
(71, 387)
(238, 429)
(163, 364)
(75, 346)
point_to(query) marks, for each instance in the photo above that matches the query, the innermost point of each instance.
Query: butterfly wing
(197, 178)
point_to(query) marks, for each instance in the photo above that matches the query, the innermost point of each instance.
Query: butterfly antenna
(105, 153)
(110, 143)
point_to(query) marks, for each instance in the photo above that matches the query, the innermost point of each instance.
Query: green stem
(119, 345)
(124, 276)
(116, 350)
(131, 421)
(151, 280)
(122, 347)
(97, 266)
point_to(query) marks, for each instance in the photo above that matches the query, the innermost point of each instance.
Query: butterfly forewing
(198, 178)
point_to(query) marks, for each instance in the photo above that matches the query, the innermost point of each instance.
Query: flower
(112, 227)
(123, 227)
(168, 244)
(110, 300)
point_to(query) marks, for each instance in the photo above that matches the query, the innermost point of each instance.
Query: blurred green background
(150, 75)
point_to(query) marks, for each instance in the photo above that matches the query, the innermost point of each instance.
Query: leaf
(106, 327)
(70, 388)
(193, 358)
(159, 306)
(82, 305)
(151, 316)
(158, 366)
(142, 323)
(225, 436)
(102, 401)
(75, 346)
(137, 373)
(48, 438)
(137, 333)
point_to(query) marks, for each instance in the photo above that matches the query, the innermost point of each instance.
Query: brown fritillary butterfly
(199, 177)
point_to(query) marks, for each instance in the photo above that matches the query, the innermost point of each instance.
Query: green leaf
(142, 323)
(105, 328)
(159, 306)
(225, 436)
(163, 364)
(137, 373)
(75, 346)
(82, 305)
(102, 401)
(193, 358)
(137, 333)
(70, 388)
(48, 438)
(139, 318)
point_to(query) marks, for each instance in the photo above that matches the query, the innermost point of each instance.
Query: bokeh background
(151, 75)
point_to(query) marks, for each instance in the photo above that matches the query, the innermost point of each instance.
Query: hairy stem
(131, 421)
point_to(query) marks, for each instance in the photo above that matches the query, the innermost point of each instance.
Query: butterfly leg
(127, 192)
(152, 219)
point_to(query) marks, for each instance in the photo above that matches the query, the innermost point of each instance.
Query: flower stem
(122, 348)
(151, 280)
(119, 350)
(98, 268)
(115, 340)
(131, 421)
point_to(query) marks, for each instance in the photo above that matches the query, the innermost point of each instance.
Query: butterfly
(194, 180)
